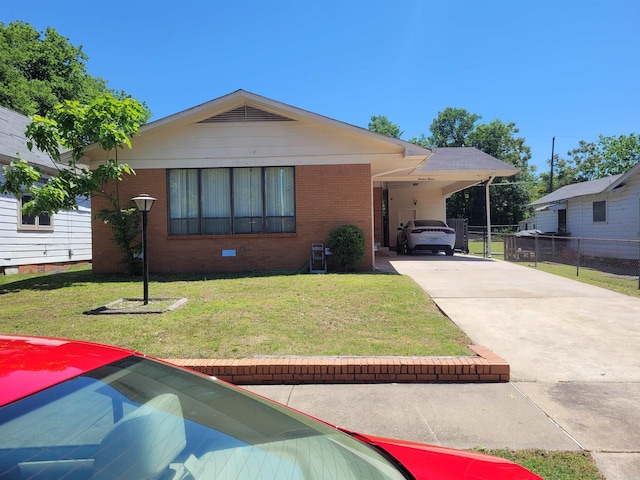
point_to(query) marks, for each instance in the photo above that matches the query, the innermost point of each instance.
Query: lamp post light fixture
(144, 203)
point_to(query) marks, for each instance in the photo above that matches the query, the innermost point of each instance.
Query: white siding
(547, 221)
(622, 214)
(622, 221)
(254, 143)
(70, 239)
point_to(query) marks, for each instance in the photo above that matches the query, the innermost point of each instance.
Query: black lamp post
(144, 203)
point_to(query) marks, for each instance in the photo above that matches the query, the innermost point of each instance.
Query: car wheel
(449, 252)
(405, 247)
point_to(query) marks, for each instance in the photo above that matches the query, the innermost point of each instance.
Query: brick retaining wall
(483, 368)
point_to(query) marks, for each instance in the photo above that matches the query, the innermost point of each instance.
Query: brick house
(246, 183)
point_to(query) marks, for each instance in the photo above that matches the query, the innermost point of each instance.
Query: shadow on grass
(70, 278)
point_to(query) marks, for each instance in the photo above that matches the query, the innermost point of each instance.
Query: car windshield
(142, 419)
(429, 223)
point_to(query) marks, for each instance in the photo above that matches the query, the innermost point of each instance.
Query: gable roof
(13, 141)
(592, 187)
(230, 104)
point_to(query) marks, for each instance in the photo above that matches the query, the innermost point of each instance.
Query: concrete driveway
(574, 349)
(574, 352)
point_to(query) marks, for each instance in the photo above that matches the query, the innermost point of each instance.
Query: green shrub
(347, 244)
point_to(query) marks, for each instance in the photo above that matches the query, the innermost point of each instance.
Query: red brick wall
(326, 196)
(47, 267)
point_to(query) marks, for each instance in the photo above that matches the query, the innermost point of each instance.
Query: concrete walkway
(574, 352)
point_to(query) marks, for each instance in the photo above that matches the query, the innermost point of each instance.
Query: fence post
(536, 251)
(578, 261)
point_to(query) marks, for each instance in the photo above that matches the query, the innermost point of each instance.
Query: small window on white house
(600, 211)
(30, 222)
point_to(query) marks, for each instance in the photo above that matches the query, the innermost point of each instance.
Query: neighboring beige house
(244, 183)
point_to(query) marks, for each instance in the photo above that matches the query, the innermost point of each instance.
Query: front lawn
(236, 316)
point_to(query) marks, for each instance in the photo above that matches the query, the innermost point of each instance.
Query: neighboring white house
(31, 244)
(607, 208)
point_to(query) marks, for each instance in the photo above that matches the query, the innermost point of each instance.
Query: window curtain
(247, 200)
(280, 199)
(216, 200)
(183, 201)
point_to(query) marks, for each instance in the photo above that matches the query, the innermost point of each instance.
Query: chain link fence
(615, 257)
(478, 238)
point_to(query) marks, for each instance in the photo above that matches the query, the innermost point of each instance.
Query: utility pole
(553, 144)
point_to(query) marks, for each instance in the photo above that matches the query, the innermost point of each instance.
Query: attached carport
(422, 191)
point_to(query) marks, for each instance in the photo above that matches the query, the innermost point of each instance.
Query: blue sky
(569, 69)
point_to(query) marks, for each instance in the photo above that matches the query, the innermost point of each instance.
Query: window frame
(234, 221)
(36, 225)
(599, 215)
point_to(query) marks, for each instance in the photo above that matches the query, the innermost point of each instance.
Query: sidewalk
(575, 368)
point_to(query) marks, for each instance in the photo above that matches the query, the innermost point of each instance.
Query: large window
(600, 211)
(213, 201)
(30, 222)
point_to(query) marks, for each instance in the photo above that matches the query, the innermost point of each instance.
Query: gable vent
(246, 114)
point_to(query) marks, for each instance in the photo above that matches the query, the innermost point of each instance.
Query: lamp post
(144, 203)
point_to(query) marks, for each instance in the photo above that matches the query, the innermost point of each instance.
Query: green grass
(476, 247)
(627, 285)
(552, 465)
(238, 317)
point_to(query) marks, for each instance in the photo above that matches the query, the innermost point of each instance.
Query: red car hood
(31, 364)
(429, 462)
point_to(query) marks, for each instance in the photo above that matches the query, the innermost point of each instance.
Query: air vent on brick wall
(246, 114)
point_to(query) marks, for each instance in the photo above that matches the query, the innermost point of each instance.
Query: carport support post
(488, 210)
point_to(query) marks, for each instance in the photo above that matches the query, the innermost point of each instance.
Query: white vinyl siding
(622, 211)
(71, 240)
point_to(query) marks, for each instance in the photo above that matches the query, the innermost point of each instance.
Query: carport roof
(466, 158)
(452, 169)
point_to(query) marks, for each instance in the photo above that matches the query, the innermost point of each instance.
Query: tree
(456, 127)
(108, 121)
(381, 124)
(451, 128)
(592, 160)
(618, 154)
(509, 197)
(39, 70)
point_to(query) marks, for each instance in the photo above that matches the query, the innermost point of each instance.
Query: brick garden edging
(483, 368)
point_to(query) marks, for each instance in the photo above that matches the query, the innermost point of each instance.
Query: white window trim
(35, 226)
(606, 216)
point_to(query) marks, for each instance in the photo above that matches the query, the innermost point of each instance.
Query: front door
(562, 222)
